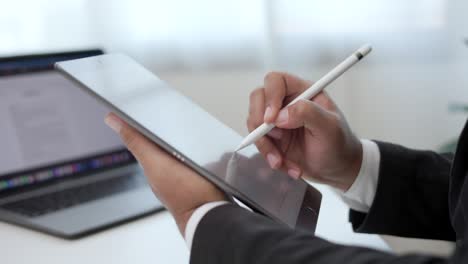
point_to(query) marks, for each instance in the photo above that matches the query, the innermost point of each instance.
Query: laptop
(62, 170)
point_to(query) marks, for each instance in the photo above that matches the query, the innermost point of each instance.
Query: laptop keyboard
(51, 202)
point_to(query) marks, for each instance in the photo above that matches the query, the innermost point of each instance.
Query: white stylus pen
(310, 92)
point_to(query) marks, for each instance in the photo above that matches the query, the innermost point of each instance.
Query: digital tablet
(195, 137)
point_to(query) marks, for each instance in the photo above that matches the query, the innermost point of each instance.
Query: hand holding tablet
(195, 138)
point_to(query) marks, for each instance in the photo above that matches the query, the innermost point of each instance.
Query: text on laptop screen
(51, 129)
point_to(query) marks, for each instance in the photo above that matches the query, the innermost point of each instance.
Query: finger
(292, 169)
(270, 152)
(264, 145)
(267, 149)
(256, 109)
(145, 151)
(277, 87)
(276, 133)
(275, 92)
(303, 114)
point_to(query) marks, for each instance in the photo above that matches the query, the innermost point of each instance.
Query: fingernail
(268, 114)
(112, 122)
(294, 173)
(272, 160)
(283, 117)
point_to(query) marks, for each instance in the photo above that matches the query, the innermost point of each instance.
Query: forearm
(231, 235)
(410, 197)
(390, 214)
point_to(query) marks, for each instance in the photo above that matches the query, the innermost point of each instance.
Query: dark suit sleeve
(412, 195)
(232, 235)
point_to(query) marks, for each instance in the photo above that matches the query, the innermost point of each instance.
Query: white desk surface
(153, 239)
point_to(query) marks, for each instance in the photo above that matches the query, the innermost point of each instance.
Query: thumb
(303, 113)
(136, 142)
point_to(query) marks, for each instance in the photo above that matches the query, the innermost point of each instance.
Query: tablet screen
(189, 133)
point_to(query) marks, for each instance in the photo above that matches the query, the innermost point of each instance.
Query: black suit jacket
(419, 194)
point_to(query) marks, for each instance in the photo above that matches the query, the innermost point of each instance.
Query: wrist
(182, 220)
(352, 170)
(183, 217)
(355, 167)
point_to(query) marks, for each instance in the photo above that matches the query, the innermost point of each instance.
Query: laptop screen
(49, 129)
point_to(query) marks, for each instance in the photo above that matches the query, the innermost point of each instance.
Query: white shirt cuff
(196, 217)
(362, 192)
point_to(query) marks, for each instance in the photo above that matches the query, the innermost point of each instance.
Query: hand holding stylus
(309, 93)
(311, 139)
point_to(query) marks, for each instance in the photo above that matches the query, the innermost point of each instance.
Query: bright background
(216, 52)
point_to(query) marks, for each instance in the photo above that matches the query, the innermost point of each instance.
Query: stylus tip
(241, 146)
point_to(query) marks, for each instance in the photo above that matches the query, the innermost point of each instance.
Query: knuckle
(335, 124)
(126, 137)
(252, 123)
(301, 109)
(335, 119)
(129, 139)
(275, 89)
(249, 123)
(271, 75)
(338, 135)
(255, 93)
(262, 144)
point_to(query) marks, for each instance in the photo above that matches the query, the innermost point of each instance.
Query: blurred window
(212, 34)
